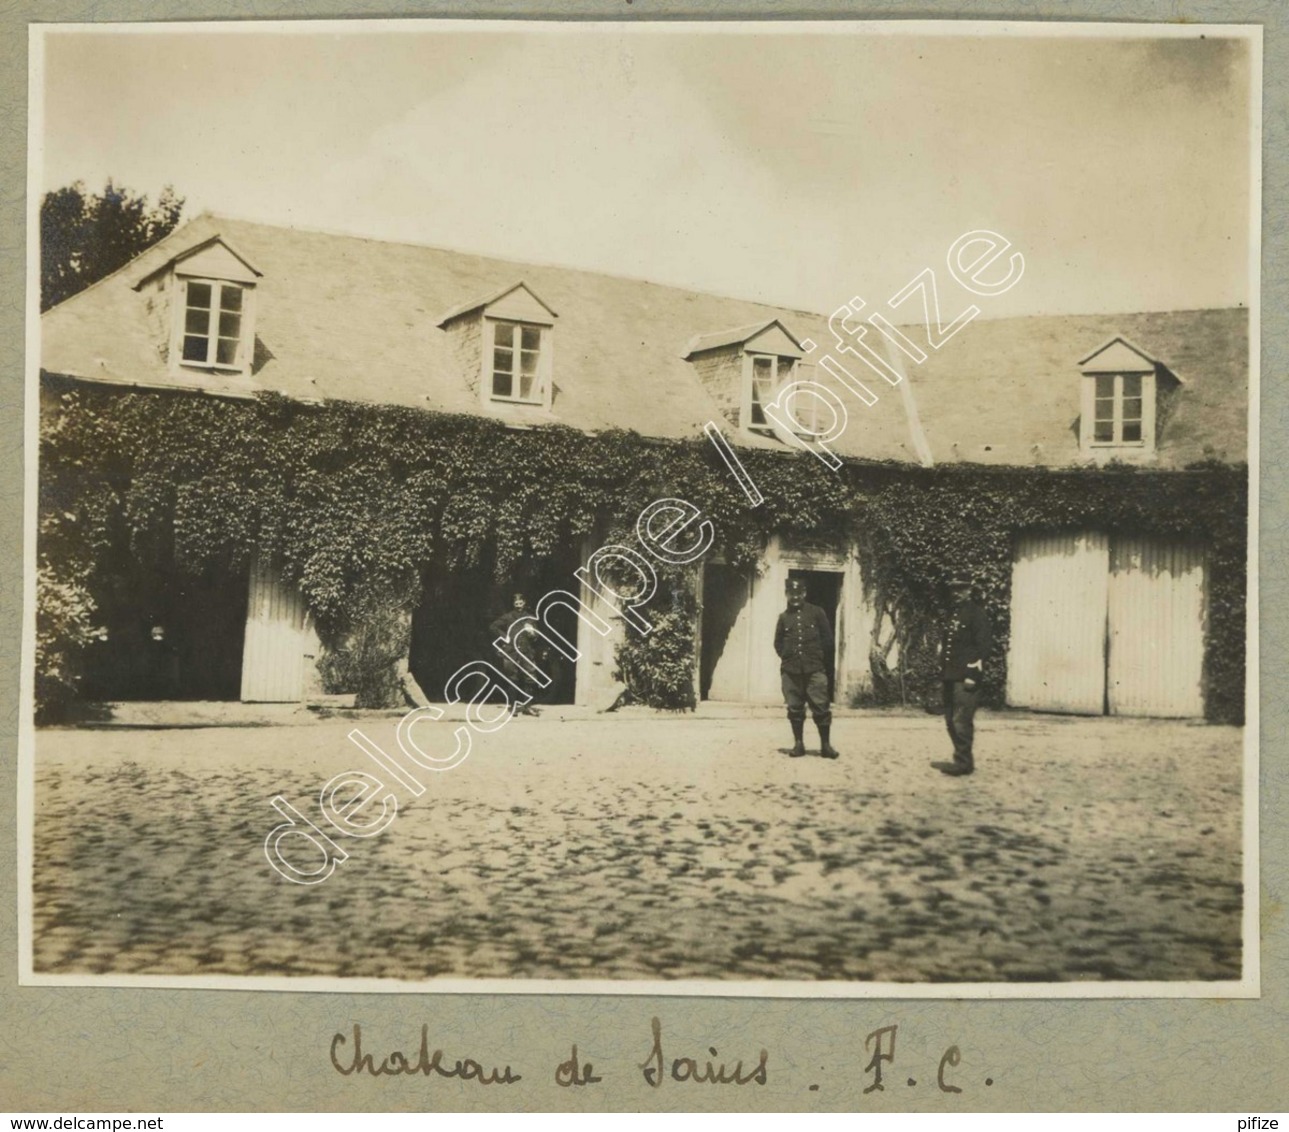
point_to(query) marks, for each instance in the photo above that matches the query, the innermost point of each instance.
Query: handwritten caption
(349, 1058)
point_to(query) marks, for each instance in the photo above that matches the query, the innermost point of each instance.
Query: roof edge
(473, 305)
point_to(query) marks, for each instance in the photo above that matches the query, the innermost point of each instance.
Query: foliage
(64, 626)
(658, 667)
(87, 236)
(364, 648)
(356, 501)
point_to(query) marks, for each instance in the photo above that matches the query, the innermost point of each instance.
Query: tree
(85, 237)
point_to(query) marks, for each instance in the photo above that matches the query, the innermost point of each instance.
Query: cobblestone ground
(656, 848)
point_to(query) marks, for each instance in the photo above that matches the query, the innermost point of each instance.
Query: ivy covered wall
(356, 501)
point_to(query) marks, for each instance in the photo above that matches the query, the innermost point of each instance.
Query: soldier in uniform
(803, 640)
(499, 627)
(962, 662)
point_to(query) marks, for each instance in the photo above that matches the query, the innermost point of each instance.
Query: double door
(1103, 624)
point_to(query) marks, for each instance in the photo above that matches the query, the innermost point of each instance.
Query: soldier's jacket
(966, 642)
(525, 642)
(803, 639)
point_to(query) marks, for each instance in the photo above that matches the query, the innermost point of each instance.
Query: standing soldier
(499, 627)
(962, 663)
(803, 639)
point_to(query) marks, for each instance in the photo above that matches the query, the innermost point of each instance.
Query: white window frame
(749, 400)
(1089, 413)
(246, 330)
(542, 391)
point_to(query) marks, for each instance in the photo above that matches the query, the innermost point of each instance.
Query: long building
(1103, 616)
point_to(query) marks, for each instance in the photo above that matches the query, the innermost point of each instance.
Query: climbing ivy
(356, 501)
(933, 522)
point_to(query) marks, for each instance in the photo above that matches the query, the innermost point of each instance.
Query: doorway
(169, 635)
(453, 624)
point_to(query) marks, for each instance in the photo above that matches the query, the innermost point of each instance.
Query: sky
(800, 167)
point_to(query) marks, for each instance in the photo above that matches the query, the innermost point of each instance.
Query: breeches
(960, 718)
(798, 691)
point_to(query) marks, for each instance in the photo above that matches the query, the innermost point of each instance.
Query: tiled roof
(1006, 391)
(355, 319)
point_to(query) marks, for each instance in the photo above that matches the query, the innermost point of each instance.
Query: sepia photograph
(677, 508)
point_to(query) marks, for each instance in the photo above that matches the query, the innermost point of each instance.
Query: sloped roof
(356, 319)
(715, 341)
(471, 305)
(1006, 391)
(1118, 356)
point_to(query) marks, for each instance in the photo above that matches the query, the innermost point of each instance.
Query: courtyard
(645, 846)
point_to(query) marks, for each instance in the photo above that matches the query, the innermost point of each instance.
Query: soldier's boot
(825, 747)
(799, 738)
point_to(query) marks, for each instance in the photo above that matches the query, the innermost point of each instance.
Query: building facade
(1103, 617)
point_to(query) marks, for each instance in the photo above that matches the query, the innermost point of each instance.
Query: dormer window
(1119, 412)
(505, 344)
(517, 370)
(212, 323)
(211, 294)
(745, 368)
(769, 373)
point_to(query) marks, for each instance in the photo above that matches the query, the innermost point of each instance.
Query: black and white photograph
(679, 508)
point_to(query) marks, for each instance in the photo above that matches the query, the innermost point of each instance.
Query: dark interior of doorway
(170, 635)
(823, 588)
(452, 625)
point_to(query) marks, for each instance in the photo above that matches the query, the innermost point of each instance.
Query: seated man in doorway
(525, 645)
(803, 640)
(962, 662)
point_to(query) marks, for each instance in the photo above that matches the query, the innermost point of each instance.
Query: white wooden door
(1156, 628)
(277, 637)
(726, 632)
(1056, 658)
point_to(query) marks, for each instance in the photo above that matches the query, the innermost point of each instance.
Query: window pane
(1105, 410)
(503, 361)
(785, 369)
(230, 325)
(1104, 431)
(226, 352)
(1132, 431)
(758, 414)
(530, 338)
(1105, 385)
(502, 384)
(230, 298)
(504, 335)
(199, 295)
(194, 349)
(1132, 385)
(528, 362)
(1131, 409)
(526, 387)
(197, 321)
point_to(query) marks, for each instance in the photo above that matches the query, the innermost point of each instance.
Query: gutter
(916, 433)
